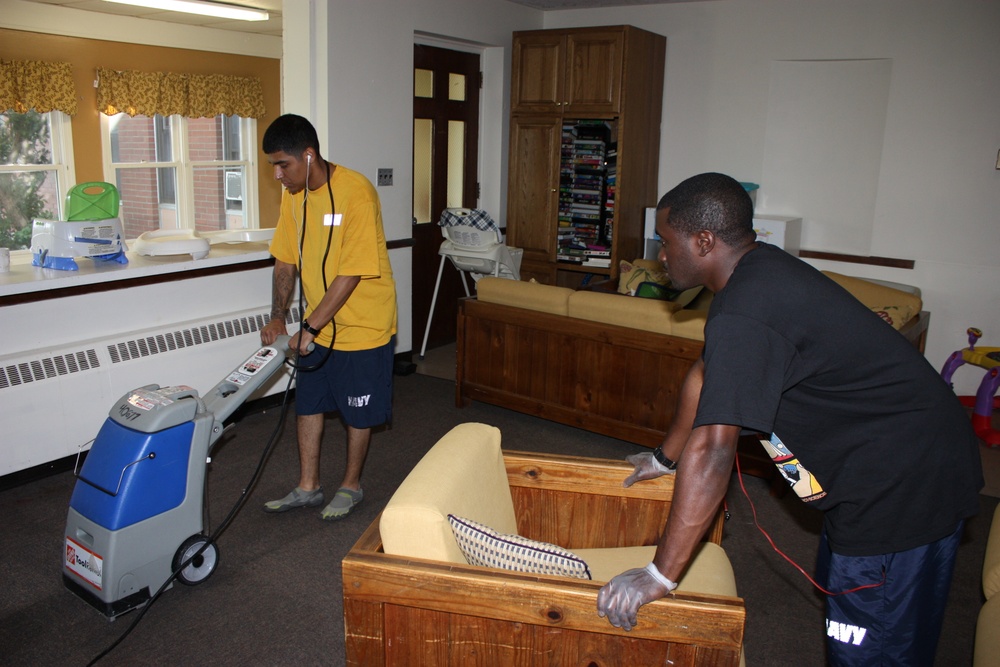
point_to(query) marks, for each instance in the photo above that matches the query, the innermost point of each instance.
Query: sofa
(986, 652)
(602, 360)
(411, 596)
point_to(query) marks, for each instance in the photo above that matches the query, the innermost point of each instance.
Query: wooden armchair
(411, 599)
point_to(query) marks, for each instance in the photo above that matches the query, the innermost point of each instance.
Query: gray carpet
(275, 597)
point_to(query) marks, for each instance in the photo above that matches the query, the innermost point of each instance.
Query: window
(174, 172)
(35, 172)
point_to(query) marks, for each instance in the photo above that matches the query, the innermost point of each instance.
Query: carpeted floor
(275, 598)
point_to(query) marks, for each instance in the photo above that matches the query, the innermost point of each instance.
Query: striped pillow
(485, 547)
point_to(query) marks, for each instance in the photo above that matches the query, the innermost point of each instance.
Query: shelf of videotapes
(587, 177)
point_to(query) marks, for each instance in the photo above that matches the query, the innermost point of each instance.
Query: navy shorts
(897, 623)
(357, 384)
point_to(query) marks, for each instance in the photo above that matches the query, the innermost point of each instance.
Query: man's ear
(706, 242)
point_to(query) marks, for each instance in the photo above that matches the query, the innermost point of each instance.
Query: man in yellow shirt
(330, 235)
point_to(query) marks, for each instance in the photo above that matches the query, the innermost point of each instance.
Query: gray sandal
(343, 503)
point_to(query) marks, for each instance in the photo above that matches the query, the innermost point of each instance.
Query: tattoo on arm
(281, 292)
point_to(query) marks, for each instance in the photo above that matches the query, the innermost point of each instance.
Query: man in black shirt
(859, 422)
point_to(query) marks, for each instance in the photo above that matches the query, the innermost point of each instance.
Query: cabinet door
(594, 61)
(533, 187)
(538, 76)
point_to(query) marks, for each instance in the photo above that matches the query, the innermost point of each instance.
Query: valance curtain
(38, 85)
(168, 93)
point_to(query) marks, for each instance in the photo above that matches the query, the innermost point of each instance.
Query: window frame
(61, 136)
(184, 169)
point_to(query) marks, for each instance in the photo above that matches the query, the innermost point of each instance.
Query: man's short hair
(290, 134)
(715, 202)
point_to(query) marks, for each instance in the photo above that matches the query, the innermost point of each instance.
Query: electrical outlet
(384, 176)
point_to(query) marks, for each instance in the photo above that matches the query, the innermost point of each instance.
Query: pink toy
(985, 401)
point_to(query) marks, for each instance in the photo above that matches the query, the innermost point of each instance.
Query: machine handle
(150, 456)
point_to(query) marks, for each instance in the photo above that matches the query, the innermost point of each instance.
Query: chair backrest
(462, 474)
(469, 228)
(467, 237)
(92, 201)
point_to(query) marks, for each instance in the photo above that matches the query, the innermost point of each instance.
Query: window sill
(27, 282)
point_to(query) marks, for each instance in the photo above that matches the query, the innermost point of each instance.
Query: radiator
(55, 400)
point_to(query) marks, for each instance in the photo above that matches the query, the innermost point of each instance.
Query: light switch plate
(384, 176)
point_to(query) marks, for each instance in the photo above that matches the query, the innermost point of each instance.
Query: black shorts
(357, 384)
(897, 622)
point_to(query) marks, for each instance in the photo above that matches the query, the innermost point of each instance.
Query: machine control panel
(153, 408)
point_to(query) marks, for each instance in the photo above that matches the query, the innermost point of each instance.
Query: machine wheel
(203, 565)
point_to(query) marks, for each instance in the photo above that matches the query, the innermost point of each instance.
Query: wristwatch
(669, 464)
(312, 330)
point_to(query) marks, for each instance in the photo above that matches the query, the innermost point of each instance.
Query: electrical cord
(781, 553)
(211, 539)
(300, 228)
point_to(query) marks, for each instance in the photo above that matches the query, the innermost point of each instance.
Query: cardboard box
(782, 231)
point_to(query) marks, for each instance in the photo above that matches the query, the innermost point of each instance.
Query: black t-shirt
(866, 428)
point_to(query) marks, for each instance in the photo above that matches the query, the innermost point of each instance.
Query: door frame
(427, 236)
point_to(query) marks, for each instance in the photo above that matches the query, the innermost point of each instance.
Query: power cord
(244, 495)
(301, 231)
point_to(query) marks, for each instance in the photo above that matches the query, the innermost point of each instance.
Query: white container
(779, 230)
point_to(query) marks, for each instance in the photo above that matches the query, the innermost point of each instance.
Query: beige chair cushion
(991, 560)
(520, 294)
(624, 311)
(709, 571)
(462, 474)
(894, 306)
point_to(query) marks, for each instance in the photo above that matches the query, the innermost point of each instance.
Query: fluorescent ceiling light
(199, 7)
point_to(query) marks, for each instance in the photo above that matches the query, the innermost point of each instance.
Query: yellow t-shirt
(353, 242)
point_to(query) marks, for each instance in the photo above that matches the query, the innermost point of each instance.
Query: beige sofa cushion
(987, 646)
(690, 324)
(533, 296)
(894, 306)
(624, 311)
(462, 474)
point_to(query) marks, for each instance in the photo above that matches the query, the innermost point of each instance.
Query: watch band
(661, 458)
(310, 329)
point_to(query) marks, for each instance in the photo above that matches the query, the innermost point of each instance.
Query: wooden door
(594, 61)
(445, 112)
(539, 72)
(533, 192)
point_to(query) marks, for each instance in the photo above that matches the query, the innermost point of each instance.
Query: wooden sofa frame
(402, 611)
(607, 379)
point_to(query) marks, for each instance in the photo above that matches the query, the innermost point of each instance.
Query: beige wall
(86, 55)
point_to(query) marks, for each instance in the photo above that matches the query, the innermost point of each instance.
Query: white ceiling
(273, 7)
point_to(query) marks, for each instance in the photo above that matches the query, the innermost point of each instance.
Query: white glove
(646, 467)
(620, 599)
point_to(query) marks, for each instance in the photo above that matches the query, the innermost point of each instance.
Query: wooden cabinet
(568, 71)
(562, 80)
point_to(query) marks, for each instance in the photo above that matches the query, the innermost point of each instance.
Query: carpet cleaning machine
(137, 510)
